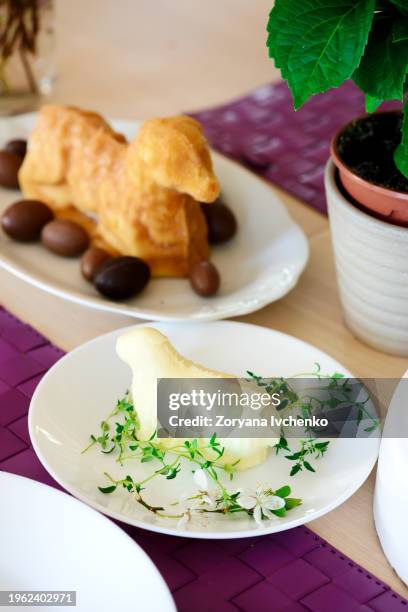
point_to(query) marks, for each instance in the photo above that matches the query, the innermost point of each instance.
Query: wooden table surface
(135, 59)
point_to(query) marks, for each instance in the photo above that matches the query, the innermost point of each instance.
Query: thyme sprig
(336, 384)
(120, 438)
(340, 392)
(221, 502)
(309, 447)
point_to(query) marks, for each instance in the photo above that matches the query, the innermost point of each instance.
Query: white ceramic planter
(372, 272)
(391, 488)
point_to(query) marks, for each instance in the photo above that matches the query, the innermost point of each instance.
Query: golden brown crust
(141, 194)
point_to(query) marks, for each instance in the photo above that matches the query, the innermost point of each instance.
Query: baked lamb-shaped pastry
(143, 195)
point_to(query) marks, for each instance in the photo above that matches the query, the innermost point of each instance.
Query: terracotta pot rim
(398, 195)
(330, 182)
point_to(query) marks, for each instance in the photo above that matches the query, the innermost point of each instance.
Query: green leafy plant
(319, 44)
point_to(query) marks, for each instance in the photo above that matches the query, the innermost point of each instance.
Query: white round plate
(52, 542)
(83, 387)
(260, 265)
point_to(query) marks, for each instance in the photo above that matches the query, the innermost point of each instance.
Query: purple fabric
(286, 572)
(290, 149)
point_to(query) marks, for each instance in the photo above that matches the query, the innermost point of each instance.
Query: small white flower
(200, 478)
(261, 504)
(204, 501)
(195, 505)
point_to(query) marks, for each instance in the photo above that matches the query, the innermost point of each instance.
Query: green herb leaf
(281, 445)
(283, 404)
(283, 491)
(382, 70)
(110, 489)
(322, 446)
(308, 466)
(334, 402)
(107, 452)
(173, 471)
(213, 439)
(292, 502)
(318, 44)
(281, 512)
(147, 458)
(295, 469)
(295, 456)
(359, 416)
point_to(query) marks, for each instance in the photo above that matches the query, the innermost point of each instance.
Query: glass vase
(27, 53)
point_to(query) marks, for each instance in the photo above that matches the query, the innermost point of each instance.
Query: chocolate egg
(205, 278)
(24, 220)
(9, 166)
(65, 238)
(18, 146)
(122, 277)
(92, 260)
(221, 222)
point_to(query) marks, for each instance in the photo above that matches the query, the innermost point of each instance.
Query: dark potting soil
(367, 146)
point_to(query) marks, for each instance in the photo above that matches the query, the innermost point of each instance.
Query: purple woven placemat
(287, 572)
(262, 131)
